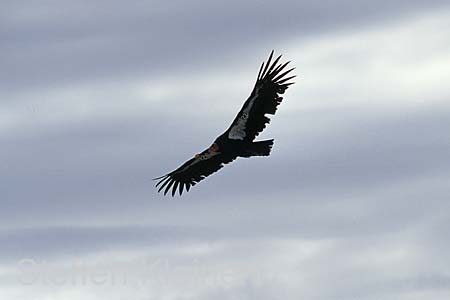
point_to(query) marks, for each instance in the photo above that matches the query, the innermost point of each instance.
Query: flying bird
(238, 139)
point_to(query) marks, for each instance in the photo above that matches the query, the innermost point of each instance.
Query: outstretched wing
(264, 99)
(193, 171)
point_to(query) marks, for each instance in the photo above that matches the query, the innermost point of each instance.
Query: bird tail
(261, 148)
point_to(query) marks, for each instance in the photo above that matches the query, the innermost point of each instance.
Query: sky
(99, 97)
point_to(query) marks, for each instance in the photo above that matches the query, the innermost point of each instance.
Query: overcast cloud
(99, 97)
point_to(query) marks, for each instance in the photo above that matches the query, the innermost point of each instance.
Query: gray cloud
(100, 97)
(50, 42)
(50, 243)
(106, 169)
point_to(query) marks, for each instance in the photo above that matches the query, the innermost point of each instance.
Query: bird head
(213, 148)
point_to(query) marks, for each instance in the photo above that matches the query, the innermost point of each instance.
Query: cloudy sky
(99, 97)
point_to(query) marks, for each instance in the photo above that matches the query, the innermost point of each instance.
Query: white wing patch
(237, 132)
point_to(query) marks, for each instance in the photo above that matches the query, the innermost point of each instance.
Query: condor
(238, 139)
